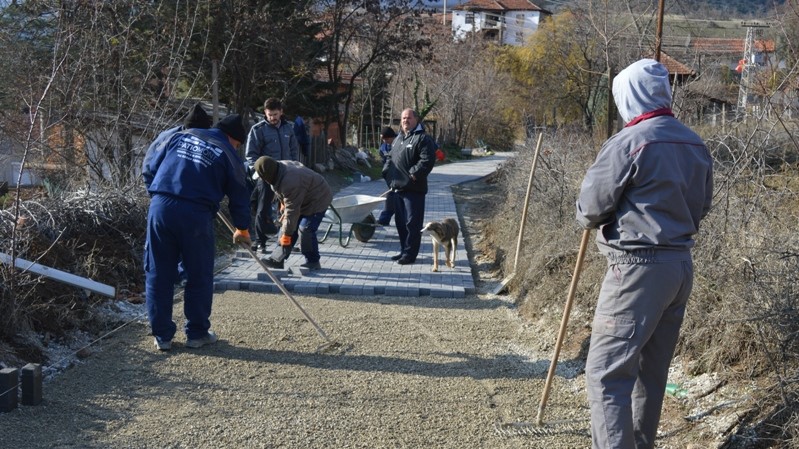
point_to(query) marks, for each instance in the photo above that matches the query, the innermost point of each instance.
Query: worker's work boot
(272, 263)
(209, 339)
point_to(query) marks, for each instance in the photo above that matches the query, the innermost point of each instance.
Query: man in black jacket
(412, 157)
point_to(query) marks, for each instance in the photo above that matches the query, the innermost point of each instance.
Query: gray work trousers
(635, 330)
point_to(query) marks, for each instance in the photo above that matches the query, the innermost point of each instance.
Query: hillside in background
(723, 8)
(720, 18)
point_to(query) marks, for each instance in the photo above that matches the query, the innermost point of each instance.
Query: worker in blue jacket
(187, 176)
(196, 118)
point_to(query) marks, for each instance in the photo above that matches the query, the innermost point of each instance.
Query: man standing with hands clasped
(187, 175)
(412, 157)
(646, 193)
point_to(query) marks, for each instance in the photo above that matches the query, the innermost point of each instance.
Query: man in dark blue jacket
(301, 133)
(412, 157)
(187, 176)
(196, 118)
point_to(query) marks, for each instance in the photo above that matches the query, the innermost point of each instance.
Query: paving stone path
(366, 268)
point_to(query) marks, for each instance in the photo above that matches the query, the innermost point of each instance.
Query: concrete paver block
(31, 384)
(9, 389)
(402, 291)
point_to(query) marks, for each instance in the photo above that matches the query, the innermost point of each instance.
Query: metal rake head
(518, 429)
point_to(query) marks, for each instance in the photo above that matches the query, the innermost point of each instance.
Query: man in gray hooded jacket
(646, 193)
(274, 137)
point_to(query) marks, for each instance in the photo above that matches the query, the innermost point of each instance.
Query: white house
(10, 164)
(510, 22)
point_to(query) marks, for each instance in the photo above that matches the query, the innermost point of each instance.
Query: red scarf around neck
(649, 115)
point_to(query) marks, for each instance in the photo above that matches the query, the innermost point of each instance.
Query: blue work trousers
(388, 210)
(306, 234)
(409, 218)
(179, 229)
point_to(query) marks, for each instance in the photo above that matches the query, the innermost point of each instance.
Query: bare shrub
(89, 233)
(551, 239)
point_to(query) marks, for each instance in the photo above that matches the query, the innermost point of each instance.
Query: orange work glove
(285, 240)
(242, 236)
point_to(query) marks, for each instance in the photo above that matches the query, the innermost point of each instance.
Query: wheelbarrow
(355, 210)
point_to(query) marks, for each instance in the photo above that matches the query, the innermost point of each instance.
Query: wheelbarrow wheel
(365, 230)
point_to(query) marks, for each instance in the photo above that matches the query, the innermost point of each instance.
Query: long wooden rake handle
(527, 202)
(276, 280)
(562, 332)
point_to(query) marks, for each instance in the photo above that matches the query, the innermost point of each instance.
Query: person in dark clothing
(301, 132)
(187, 176)
(196, 118)
(387, 135)
(274, 137)
(305, 196)
(411, 160)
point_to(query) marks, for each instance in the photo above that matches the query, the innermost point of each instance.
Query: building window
(490, 21)
(470, 18)
(519, 37)
(519, 19)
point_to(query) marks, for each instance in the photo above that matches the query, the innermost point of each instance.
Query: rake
(504, 284)
(329, 344)
(564, 320)
(556, 427)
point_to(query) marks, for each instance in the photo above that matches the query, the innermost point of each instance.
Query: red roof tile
(500, 5)
(727, 45)
(674, 66)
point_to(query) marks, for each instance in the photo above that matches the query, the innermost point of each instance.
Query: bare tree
(360, 34)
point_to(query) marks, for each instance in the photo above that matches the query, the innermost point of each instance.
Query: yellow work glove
(242, 236)
(285, 240)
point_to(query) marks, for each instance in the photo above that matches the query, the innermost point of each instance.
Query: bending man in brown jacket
(305, 196)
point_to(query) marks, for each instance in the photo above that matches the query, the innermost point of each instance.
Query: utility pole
(659, 35)
(747, 65)
(444, 19)
(215, 89)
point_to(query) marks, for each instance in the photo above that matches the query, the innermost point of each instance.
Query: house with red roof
(509, 22)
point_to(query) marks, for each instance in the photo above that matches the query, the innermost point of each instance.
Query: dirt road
(419, 373)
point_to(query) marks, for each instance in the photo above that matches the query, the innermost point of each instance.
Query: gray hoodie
(652, 182)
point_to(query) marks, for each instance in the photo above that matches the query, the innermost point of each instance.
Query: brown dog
(444, 233)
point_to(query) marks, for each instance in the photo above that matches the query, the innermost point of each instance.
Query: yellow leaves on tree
(555, 71)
